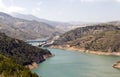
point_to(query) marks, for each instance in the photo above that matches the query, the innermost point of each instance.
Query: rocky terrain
(98, 38)
(25, 29)
(116, 65)
(61, 26)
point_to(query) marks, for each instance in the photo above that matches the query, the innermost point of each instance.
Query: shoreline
(32, 66)
(67, 47)
(35, 65)
(116, 65)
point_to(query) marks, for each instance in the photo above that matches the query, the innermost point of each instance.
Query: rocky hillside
(20, 51)
(24, 29)
(102, 37)
(61, 26)
(116, 23)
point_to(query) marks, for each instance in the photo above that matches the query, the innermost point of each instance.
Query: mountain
(116, 23)
(20, 51)
(17, 56)
(62, 26)
(24, 29)
(28, 17)
(101, 37)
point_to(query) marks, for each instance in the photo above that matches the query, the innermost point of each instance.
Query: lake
(67, 63)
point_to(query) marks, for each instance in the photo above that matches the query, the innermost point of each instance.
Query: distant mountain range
(62, 26)
(25, 29)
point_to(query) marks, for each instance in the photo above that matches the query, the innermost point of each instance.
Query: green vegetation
(84, 31)
(8, 68)
(102, 37)
(107, 41)
(20, 51)
(15, 54)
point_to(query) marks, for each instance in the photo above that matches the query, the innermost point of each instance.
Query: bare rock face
(116, 65)
(31, 66)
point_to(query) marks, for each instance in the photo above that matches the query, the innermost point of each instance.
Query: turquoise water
(73, 64)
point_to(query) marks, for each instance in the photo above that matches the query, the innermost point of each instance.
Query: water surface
(74, 64)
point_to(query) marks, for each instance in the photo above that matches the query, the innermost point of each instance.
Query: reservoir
(68, 63)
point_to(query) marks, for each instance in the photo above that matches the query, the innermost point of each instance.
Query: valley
(42, 45)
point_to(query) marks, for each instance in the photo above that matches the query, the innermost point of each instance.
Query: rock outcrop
(116, 65)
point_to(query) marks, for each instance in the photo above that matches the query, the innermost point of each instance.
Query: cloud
(118, 0)
(94, 0)
(36, 11)
(15, 9)
(12, 2)
(10, 9)
(2, 6)
(60, 13)
(39, 3)
(88, 0)
(71, 1)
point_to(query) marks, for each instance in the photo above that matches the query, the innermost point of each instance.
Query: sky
(66, 10)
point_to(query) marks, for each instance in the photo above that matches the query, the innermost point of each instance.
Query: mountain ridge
(102, 37)
(20, 51)
(62, 26)
(24, 29)
(16, 57)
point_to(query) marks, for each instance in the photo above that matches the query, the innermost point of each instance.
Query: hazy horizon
(65, 10)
